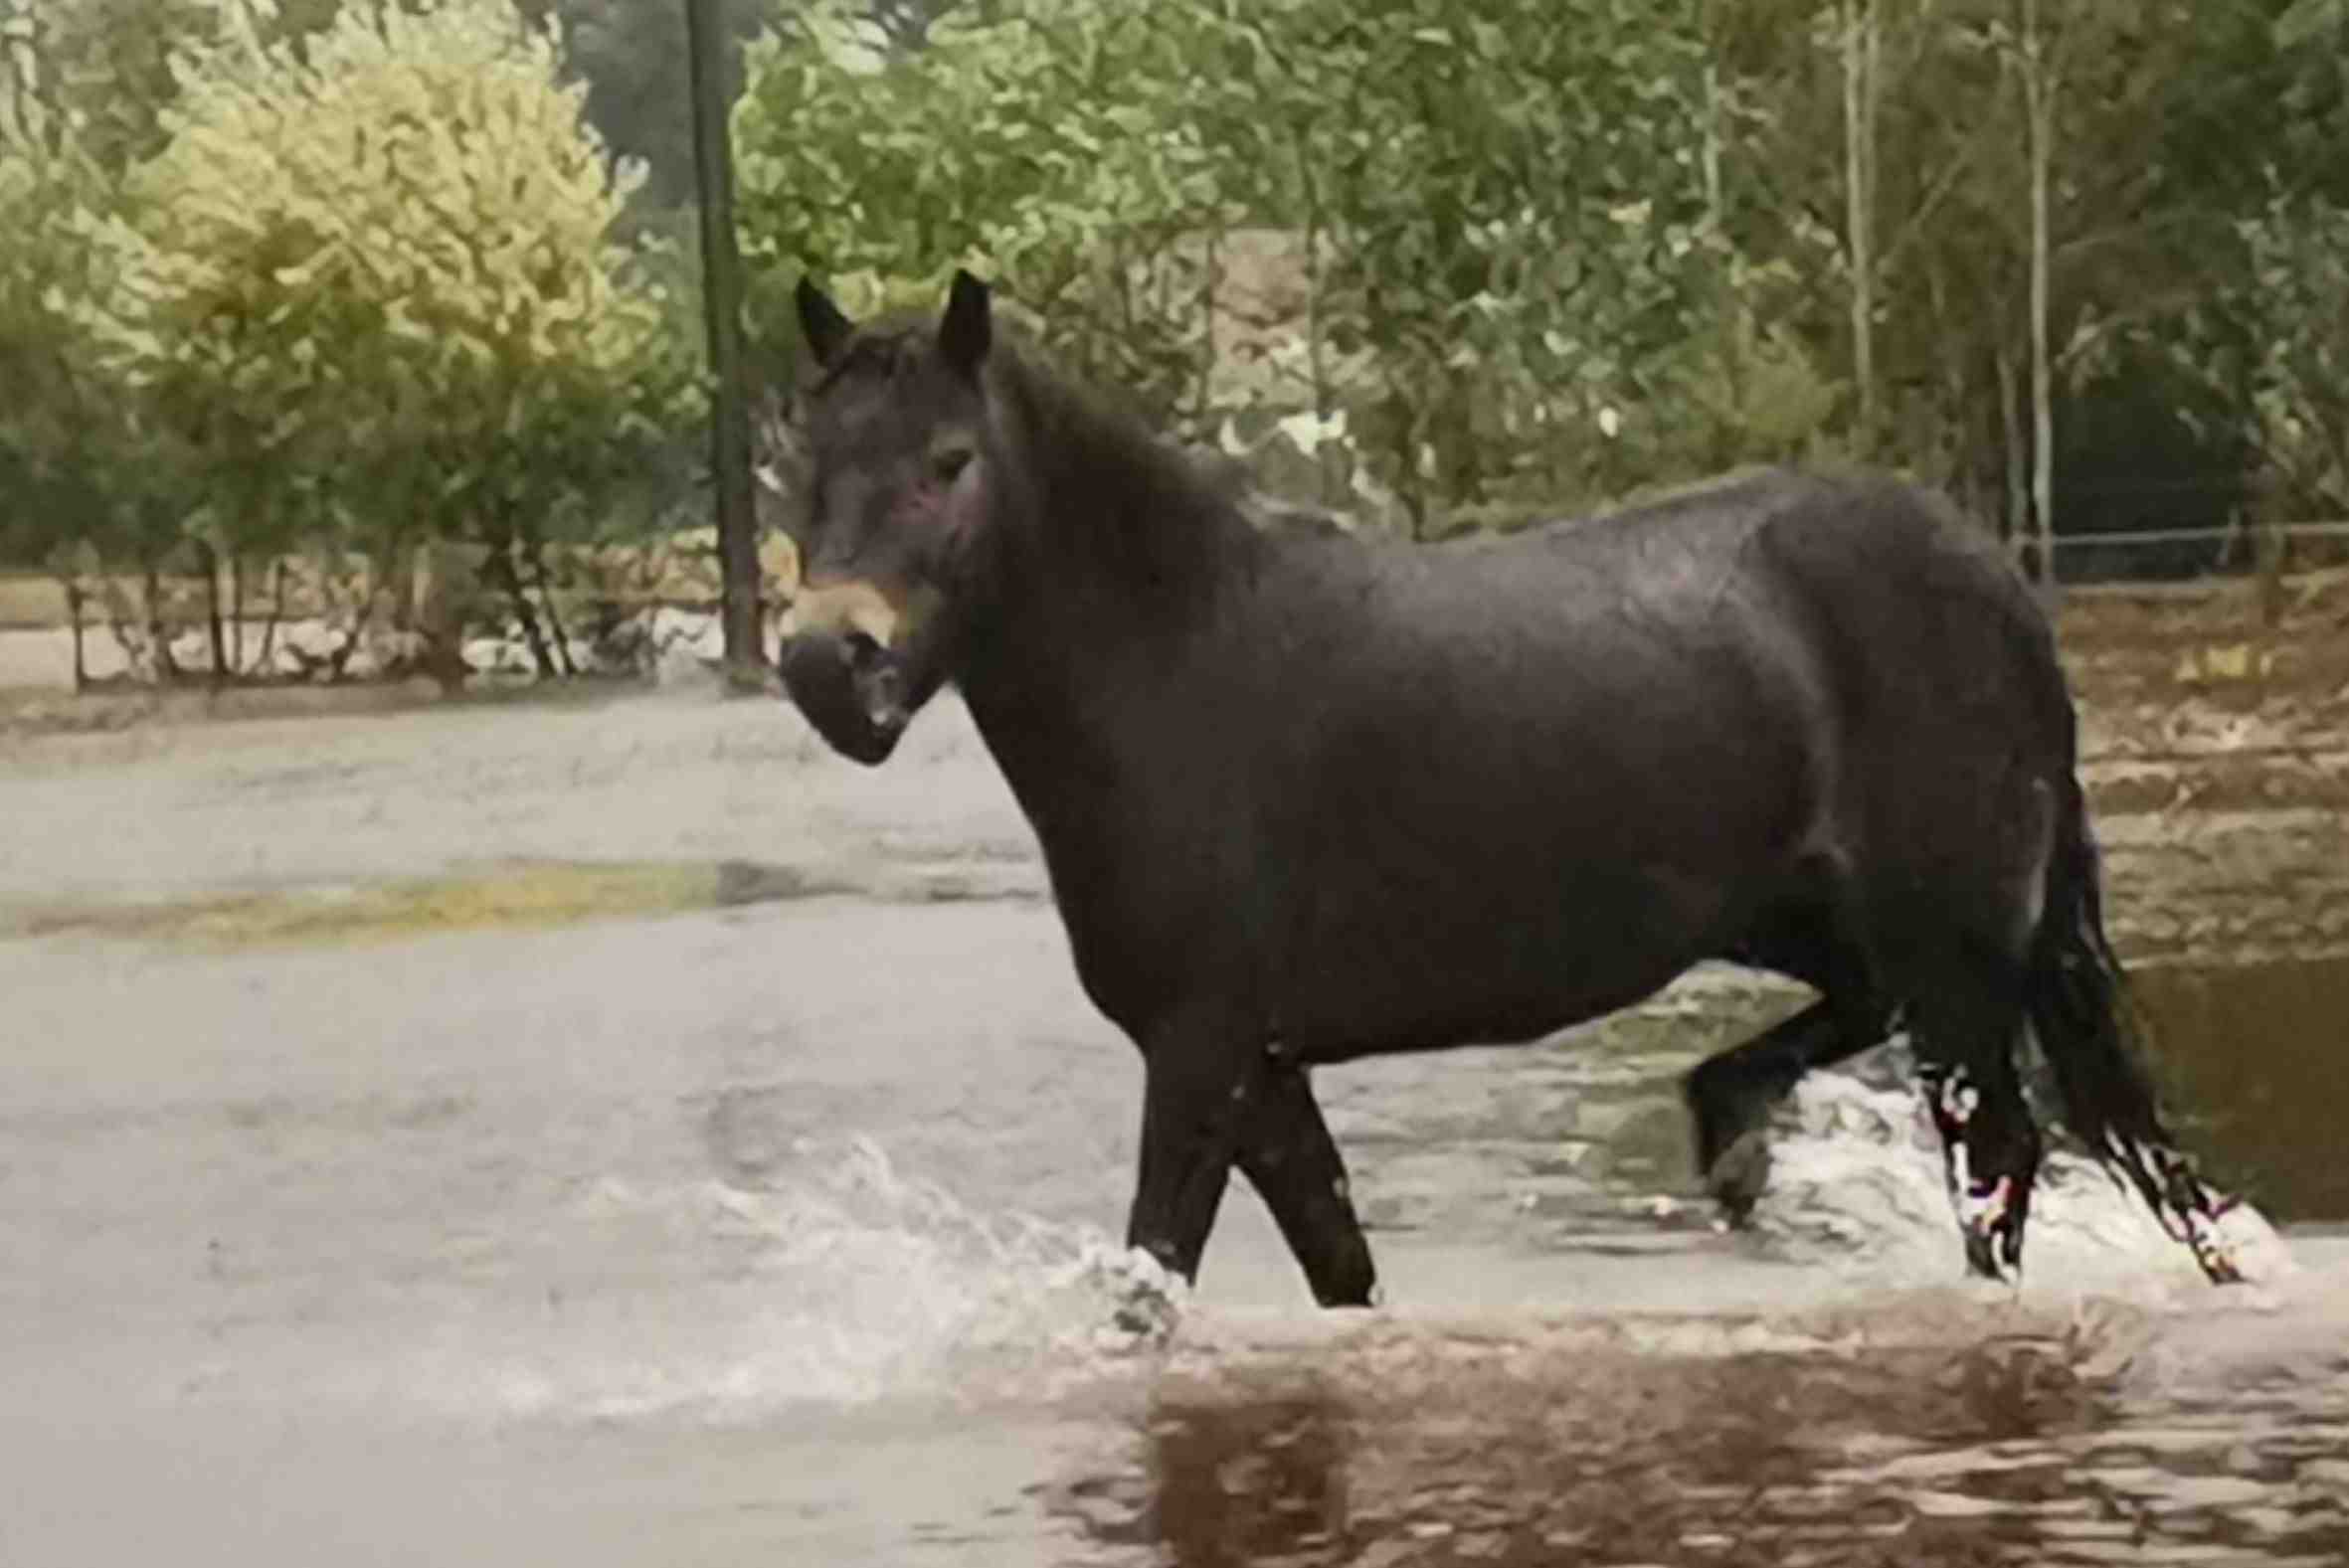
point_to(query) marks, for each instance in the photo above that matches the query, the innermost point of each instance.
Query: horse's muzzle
(852, 689)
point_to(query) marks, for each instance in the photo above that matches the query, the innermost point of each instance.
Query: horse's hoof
(1149, 1300)
(1145, 1317)
(1991, 1221)
(2203, 1213)
(1994, 1249)
(1982, 1248)
(1739, 1177)
(2217, 1260)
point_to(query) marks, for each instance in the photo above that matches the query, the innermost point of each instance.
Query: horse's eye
(948, 462)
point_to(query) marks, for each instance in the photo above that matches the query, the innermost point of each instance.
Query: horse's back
(1908, 654)
(1567, 762)
(1516, 781)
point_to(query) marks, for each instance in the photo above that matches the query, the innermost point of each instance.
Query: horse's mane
(1135, 506)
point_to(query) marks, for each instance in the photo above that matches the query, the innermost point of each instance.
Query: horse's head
(898, 451)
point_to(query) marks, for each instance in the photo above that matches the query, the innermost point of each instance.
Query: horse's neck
(1045, 723)
(1084, 637)
(1053, 674)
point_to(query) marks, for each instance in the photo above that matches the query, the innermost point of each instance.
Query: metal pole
(721, 290)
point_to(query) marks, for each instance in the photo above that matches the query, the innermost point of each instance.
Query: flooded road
(2260, 1051)
(735, 1182)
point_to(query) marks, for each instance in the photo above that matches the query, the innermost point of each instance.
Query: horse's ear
(820, 322)
(963, 337)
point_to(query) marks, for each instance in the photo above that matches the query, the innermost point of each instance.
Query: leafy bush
(362, 297)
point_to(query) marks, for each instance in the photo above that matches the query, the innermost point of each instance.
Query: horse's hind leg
(1964, 1021)
(1731, 1096)
(1286, 1150)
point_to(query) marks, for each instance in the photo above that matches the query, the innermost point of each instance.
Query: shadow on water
(2010, 1450)
(2258, 1053)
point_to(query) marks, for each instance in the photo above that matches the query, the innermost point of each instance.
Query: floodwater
(623, 1134)
(2260, 1050)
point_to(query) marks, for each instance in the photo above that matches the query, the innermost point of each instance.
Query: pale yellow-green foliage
(396, 238)
(39, 171)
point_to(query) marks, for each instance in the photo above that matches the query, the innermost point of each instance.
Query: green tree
(631, 56)
(75, 458)
(1032, 137)
(1505, 255)
(1498, 209)
(2151, 124)
(371, 291)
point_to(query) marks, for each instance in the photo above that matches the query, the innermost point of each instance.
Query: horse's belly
(1502, 960)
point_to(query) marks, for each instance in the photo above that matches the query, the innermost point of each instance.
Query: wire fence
(2242, 535)
(2152, 555)
(2116, 557)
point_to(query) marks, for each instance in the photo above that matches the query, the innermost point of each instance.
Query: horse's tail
(2089, 1034)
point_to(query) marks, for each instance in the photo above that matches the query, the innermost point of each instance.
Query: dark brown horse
(1306, 797)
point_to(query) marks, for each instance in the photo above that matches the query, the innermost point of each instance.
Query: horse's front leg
(1210, 1100)
(1194, 1088)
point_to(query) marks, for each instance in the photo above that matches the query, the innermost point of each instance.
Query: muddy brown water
(1996, 1452)
(628, 1136)
(2259, 1052)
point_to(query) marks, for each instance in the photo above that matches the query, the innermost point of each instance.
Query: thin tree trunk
(2039, 102)
(215, 631)
(740, 611)
(1870, 103)
(1712, 142)
(121, 616)
(1413, 426)
(158, 640)
(73, 614)
(350, 621)
(2272, 545)
(237, 612)
(268, 632)
(2010, 419)
(1208, 289)
(546, 596)
(1860, 54)
(1313, 344)
(501, 566)
(1950, 425)
(1465, 463)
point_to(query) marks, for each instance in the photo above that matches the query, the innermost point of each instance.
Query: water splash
(1856, 1184)
(841, 1281)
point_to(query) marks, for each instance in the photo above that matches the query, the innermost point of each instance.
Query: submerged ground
(616, 1131)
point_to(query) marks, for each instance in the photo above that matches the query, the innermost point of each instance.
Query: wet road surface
(747, 1197)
